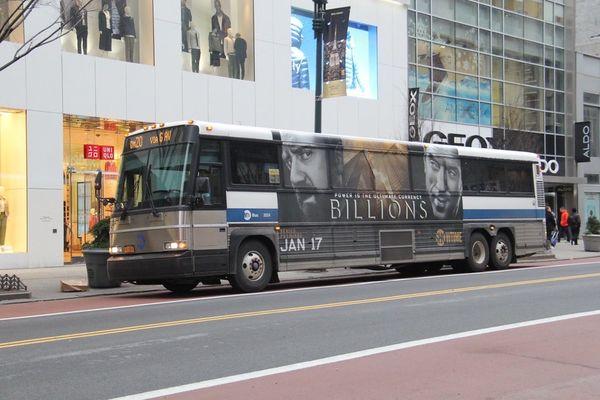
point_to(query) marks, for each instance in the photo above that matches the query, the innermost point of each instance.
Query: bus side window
(208, 185)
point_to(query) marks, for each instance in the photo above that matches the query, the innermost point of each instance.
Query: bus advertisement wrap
(388, 182)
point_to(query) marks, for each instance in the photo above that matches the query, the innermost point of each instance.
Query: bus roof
(250, 132)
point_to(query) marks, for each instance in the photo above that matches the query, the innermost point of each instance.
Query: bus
(200, 202)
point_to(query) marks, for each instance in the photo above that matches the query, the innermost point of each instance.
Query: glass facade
(591, 112)
(493, 63)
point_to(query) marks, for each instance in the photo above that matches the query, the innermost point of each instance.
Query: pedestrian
(550, 224)
(563, 225)
(574, 225)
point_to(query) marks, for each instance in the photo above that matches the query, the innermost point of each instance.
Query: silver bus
(199, 202)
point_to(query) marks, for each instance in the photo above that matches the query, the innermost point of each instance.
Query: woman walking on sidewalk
(574, 225)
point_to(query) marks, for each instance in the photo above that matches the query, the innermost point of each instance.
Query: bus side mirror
(98, 185)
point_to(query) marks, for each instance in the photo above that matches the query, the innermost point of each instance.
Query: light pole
(318, 27)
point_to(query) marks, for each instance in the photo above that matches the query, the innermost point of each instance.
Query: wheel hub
(253, 265)
(501, 251)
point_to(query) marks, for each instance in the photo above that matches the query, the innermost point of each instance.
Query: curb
(15, 295)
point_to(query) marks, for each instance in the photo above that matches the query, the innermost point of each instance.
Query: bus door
(209, 219)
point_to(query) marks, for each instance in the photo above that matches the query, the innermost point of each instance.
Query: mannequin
(105, 26)
(79, 19)
(3, 215)
(230, 54)
(128, 25)
(193, 37)
(215, 48)
(93, 218)
(220, 21)
(300, 74)
(117, 12)
(241, 48)
(186, 20)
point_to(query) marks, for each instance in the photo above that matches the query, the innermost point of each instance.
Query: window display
(361, 56)
(13, 181)
(6, 9)
(117, 29)
(217, 37)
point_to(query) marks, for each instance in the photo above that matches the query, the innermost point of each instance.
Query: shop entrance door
(81, 209)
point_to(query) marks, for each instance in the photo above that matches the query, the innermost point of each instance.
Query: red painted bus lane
(559, 360)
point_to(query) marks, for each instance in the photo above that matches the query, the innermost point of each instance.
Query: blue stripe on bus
(252, 215)
(504, 214)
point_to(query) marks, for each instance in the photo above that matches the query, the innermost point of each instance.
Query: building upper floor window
(116, 29)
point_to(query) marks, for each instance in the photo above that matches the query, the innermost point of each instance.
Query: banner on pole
(413, 115)
(334, 54)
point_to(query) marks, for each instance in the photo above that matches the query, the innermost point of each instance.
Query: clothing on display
(117, 12)
(231, 57)
(3, 219)
(300, 71)
(105, 26)
(222, 23)
(186, 20)
(215, 48)
(241, 48)
(80, 22)
(194, 42)
(128, 25)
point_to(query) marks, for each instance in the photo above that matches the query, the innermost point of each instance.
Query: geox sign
(583, 136)
(413, 115)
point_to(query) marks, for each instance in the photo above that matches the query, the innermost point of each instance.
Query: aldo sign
(583, 137)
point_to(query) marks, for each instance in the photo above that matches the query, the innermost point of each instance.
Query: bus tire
(479, 253)
(180, 287)
(253, 267)
(501, 251)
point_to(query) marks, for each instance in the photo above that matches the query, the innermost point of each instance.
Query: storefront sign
(334, 57)
(413, 115)
(456, 139)
(97, 152)
(583, 135)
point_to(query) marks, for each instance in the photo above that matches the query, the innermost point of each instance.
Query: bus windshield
(154, 178)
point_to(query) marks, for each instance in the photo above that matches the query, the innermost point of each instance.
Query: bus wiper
(154, 212)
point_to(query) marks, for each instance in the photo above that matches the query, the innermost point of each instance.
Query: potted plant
(591, 239)
(96, 255)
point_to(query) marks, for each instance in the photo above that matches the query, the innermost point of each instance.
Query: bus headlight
(129, 249)
(181, 245)
(116, 250)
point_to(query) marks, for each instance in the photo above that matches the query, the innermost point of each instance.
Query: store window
(217, 37)
(7, 8)
(591, 112)
(90, 145)
(116, 29)
(361, 55)
(13, 181)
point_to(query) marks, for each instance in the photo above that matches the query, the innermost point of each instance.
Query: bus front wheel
(501, 252)
(479, 254)
(253, 267)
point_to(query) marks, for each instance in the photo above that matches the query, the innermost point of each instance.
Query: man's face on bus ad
(443, 177)
(307, 168)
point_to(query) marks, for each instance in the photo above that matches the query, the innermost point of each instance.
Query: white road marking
(346, 357)
(274, 292)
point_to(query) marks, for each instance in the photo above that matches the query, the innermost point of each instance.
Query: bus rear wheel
(180, 287)
(479, 254)
(253, 268)
(501, 251)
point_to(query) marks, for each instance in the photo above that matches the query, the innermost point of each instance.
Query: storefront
(13, 181)
(90, 145)
(116, 29)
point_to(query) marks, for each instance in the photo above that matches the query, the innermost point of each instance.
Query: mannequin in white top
(230, 54)
(3, 216)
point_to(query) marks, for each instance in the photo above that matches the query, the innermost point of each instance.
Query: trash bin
(97, 269)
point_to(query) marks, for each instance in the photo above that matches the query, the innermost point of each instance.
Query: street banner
(583, 136)
(413, 115)
(334, 55)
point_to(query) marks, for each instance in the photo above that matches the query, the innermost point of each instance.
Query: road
(446, 336)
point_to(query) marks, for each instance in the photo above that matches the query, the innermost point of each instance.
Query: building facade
(502, 70)
(66, 108)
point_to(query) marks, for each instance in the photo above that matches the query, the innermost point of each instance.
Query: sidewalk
(44, 283)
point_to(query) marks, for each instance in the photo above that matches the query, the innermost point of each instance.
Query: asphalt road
(123, 351)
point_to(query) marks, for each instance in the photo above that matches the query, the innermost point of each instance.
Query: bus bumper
(151, 268)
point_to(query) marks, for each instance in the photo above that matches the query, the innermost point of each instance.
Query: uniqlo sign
(96, 152)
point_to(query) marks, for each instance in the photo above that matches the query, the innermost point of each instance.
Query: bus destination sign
(157, 138)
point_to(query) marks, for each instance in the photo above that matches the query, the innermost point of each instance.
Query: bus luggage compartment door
(209, 230)
(396, 246)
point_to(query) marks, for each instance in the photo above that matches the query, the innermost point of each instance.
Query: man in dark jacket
(79, 19)
(241, 48)
(550, 223)
(575, 224)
